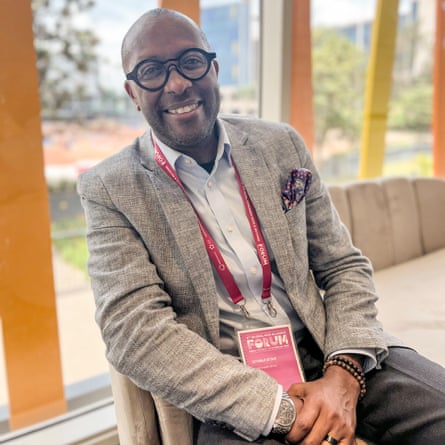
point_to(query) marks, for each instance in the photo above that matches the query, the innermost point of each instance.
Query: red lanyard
(212, 249)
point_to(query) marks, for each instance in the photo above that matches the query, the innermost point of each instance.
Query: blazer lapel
(180, 214)
(266, 199)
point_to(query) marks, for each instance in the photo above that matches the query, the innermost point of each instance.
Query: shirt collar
(224, 147)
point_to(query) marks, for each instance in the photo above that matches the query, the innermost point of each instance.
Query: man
(185, 227)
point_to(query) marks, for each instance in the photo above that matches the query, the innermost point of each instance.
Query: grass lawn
(69, 241)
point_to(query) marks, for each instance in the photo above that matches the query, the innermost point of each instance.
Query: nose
(176, 83)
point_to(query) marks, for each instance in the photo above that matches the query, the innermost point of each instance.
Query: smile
(183, 110)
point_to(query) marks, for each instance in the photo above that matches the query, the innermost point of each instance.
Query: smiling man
(181, 116)
(208, 227)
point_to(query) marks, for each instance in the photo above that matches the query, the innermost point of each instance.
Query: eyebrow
(156, 58)
(152, 59)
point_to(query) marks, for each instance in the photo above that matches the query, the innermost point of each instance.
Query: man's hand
(325, 406)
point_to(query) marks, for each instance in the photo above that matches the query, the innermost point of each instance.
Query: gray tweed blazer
(154, 288)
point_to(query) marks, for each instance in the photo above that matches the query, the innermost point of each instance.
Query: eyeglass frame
(133, 74)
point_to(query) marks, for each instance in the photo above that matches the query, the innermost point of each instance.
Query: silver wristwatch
(285, 417)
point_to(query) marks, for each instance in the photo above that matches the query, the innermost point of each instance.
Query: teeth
(183, 110)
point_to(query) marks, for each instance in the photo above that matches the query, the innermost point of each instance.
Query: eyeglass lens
(191, 64)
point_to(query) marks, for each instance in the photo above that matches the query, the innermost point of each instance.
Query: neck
(203, 152)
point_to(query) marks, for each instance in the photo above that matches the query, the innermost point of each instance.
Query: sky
(110, 20)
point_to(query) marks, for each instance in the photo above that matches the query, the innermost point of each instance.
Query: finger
(330, 429)
(298, 390)
(331, 439)
(306, 418)
(334, 439)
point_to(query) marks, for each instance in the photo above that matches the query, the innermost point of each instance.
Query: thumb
(298, 390)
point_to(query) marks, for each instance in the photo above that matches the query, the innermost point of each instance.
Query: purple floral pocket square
(296, 187)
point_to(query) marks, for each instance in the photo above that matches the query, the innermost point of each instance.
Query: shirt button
(253, 270)
(210, 184)
(188, 161)
(230, 228)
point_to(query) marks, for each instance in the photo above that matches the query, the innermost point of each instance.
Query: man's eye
(192, 62)
(150, 71)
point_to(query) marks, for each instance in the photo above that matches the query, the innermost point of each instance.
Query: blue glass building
(228, 30)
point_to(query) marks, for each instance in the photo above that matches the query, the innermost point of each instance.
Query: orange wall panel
(301, 105)
(190, 7)
(27, 297)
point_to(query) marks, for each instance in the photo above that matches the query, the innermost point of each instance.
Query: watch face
(286, 413)
(285, 417)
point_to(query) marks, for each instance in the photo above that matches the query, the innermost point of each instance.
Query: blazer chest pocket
(296, 215)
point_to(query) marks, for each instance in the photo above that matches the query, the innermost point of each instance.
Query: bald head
(150, 19)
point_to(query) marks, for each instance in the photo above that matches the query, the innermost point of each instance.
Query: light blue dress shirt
(217, 199)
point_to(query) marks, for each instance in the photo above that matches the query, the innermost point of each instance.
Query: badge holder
(272, 350)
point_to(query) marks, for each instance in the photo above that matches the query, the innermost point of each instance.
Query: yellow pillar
(378, 88)
(439, 92)
(190, 7)
(27, 298)
(301, 100)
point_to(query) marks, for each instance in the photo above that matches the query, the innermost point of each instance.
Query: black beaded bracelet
(352, 368)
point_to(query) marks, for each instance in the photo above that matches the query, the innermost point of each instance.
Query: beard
(187, 136)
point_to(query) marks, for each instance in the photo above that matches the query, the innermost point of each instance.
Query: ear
(130, 92)
(216, 66)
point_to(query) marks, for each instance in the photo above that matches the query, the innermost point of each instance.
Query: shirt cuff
(369, 354)
(273, 416)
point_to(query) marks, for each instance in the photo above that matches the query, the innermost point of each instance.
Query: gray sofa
(399, 224)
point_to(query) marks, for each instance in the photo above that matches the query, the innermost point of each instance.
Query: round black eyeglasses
(152, 74)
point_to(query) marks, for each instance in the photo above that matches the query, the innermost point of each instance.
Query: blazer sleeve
(143, 337)
(343, 274)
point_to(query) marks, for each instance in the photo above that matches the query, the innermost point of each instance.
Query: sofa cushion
(384, 217)
(371, 229)
(341, 202)
(404, 217)
(411, 303)
(430, 194)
